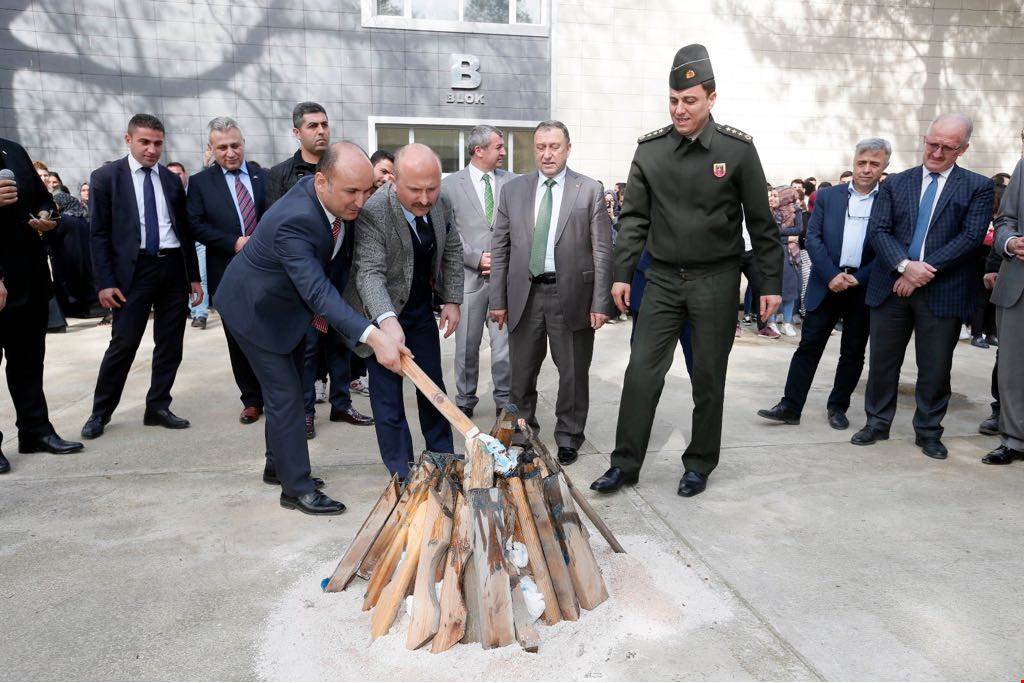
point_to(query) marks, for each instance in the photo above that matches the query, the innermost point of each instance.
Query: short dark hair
(178, 164)
(808, 187)
(544, 125)
(381, 155)
(709, 86)
(823, 184)
(144, 121)
(845, 173)
(303, 108)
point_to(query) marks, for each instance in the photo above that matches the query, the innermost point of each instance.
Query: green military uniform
(686, 201)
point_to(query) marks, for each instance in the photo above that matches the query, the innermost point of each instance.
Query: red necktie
(245, 205)
(320, 322)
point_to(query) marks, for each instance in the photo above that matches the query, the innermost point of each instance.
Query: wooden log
(393, 595)
(497, 625)
(387, 535)
(538, 565)
(452, 622)
(471, 597)
(526, 632)
(505, 426)
(554, 558)
(386, 567)
(367, 534)
(481, 466)
(586, 575)
(426, 612)
(438, 398)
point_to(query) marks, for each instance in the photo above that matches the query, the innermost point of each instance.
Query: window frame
(370, 19)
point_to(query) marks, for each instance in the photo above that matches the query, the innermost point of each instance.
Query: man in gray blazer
(473, 194)
(551, 280)
(407, 248)
(1006, 296)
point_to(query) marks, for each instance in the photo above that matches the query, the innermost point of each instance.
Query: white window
(509, 17)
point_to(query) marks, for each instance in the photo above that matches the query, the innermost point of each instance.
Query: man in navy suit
(277, 287)
(841, 262)
(225, 202)
(143, 260)
(926, 226)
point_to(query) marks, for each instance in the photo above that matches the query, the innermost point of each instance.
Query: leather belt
(849, 270)
(543, 279)
(160, 254)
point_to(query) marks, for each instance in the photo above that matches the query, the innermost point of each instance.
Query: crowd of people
(332, 268)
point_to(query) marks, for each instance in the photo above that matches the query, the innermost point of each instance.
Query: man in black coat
(25, 289)
(144, 260)
(225, 202)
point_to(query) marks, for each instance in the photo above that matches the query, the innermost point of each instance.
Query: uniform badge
(719, 170)
(690, 74)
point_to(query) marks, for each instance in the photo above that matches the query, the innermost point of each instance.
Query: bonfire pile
(476, 555)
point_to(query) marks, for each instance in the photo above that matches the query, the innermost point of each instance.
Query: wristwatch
(902, 266)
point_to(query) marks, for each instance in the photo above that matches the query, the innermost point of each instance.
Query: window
(515, 17)
(450, 144)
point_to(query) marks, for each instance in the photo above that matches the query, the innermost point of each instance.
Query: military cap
(691, 66)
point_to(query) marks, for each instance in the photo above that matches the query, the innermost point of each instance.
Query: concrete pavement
(161, 555)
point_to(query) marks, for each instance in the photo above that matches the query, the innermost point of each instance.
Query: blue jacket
(958, 225)
(272, 288)
(825, 243)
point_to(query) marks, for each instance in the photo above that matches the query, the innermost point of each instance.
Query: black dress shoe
(932, 447)
(868, 436)
(1002, 455)
(164, 418)
(5, 464)
(467, 411)
(980, 342)
(613, 480)
(692, 483)
(990, 426)
(270, 477)
(51, 443)
(352, 416)
(315, 503)
(94, 426)
(566, 455)
(837, 420)
(310, 428)
(781, 413)
(992, 340)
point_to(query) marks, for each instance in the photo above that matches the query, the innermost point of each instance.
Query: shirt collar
(330, 216)
(243, 168)
(944, 175)
(475, 174)
(703, 136)
(559, 179)
(410, 217)
(872, 192)
(134, 164)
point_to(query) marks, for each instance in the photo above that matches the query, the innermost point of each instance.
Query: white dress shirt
(858, 212)
(168, 240)
(556, 206)
(476, 176)
(337, 245)
(925, 181)
(229, 178)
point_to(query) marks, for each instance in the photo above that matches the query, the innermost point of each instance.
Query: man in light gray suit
(407, 248)
(551, 280)
(473, 194)
(1009, 302)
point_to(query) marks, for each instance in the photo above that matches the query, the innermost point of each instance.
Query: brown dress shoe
(250, 415)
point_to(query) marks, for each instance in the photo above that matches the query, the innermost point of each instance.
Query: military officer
(690, 186)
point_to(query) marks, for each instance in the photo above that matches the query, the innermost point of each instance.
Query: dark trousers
(541, 325)
(995, 385)
(23, 341)
(818, 324)
(159, 286)
(281, 377)
(935, 338)
(753, 274)
(709, 305)
(388, 404)
(329, 345)
(251, 395)
(636, 298)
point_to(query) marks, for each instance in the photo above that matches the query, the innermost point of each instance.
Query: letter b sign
(465, 72)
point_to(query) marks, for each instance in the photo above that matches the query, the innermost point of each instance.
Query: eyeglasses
(946, 149)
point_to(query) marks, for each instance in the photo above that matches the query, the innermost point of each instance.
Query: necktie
(488, 199)
(424, 233)
(924, 217)
(539, 250)
(149, 209)
(245, 205)
(320, 322)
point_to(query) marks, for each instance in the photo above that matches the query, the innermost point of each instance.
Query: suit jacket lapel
(401, 225)
(466, 182)
(569, 194)
(220, 186)
(947, 191)
(915, 199)
(259, 191)
(125, 172)
(837, 216)
(531, 205)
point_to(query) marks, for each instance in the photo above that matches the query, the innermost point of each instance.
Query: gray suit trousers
(1010, 323)
(468, 336)
(542, 323)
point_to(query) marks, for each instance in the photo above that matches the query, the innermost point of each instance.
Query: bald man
(407, 248)
(277, 286)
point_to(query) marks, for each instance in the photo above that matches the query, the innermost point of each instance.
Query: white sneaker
(320, 387)
(788, 330)
(964, 333)
(773, 327)
(360, 386)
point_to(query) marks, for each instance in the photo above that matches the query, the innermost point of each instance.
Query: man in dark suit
(406, 251)
(144, 260)
(926, 225)
(277, 287)
(225, 202)
(25, 288)
(841, 262)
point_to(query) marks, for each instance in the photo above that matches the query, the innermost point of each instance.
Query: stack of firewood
(447, 538)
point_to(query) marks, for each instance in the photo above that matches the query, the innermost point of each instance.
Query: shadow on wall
(949, 60)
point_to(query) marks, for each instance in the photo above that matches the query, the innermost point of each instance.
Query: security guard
(690, 187)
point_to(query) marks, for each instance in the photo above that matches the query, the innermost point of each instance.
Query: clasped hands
(916, 274)
(842, 282)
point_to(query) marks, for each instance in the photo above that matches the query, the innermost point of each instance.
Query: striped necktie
(245, 205)
(488, 198)
(320, 322)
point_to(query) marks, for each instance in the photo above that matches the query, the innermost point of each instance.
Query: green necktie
(488, 199)
(541, 228)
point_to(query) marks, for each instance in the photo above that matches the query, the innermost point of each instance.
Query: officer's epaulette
(654, 134)
(733, 133)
